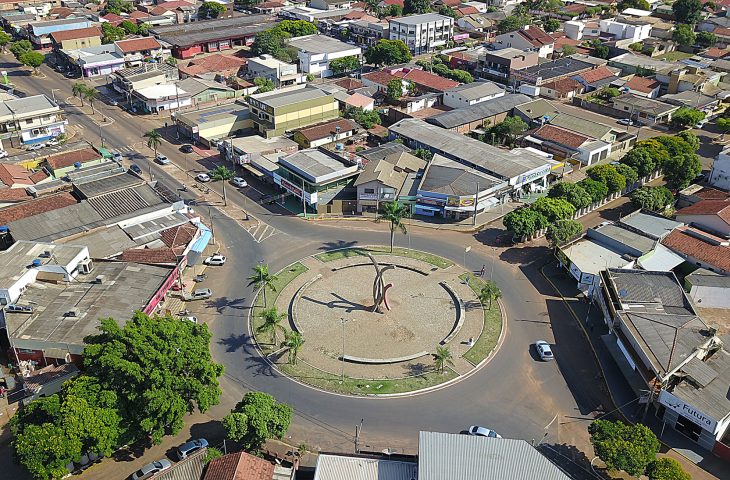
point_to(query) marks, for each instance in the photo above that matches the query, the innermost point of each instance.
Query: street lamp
(342, 374)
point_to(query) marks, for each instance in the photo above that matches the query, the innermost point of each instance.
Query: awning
(532, 139)
(203, 241)
(428, 208)
(661, 259)
(252, 170)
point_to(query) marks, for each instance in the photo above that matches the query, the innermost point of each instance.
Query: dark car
(135, 168)
(187, 148)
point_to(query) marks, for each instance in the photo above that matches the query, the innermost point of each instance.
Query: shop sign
(460, 202)
(687, 411)
(575, 271)
(368, 196)
(531, 176)
(292, 188)
(432, 201)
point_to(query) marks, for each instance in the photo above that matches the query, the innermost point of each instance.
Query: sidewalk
(701, 463)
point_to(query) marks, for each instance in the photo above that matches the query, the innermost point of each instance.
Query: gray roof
(422, 18)
(320, 44)
(26, 105)
(653, 226)
(639, 287)
(56, 223)
(196, 86)
(689, 98)
(655, 107)
(477, 90)
(381, 171)
(382, 151)
(464, 457)
(626, 237)
(107, 184)
(103, 243)
(581, 125)
(449, 177)
(556, 68)
(462, 116)
(471, 152)
(125, 201)
(150, 229)
(189, 469)
(537, 109)
(207, 30)
(15, 260)
(712, 398)
(212, 114)
(706, 278)
(340, 467)
(313, 163)
(288, 96)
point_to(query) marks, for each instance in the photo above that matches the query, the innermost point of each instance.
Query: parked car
(53, 142)
(239, 182)
(483, 432)
(113, 102)
(162, 160)
(184, 450)
(151, 469)
(187, 148)
(3, 154)
(215, 260)
(117, 156)
(701, 123)
(202, 177)
(35, 146)
(189, 318)
(201, 294)
(135, 168)
(625, 121)
(19, 308)
(544, 350)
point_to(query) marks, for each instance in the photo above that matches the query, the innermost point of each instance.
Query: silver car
(201, 294)
(151, 469)
(544, 350)
(162, 159)
(186, 449)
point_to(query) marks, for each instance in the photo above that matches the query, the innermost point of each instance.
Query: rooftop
(629, 238)
(339, 467)
(137, 44)
(712, 377)
(706, 278)
(480, 111)
(36, 207)
(68, 159)
(422, 18)
(188, 34)
(537, 109)
(160, 91)
(27, 105)
(650, 105)
(212, 64)
(289, 96)
(383, 172)
(214, 114)
(318, 166)
(321, 44)
(645, 291)
(560, 136)
(721, 208)
(76, 33)
(477, 90)
(327, 129)
(654, 226)
(582, 126)
(239, 466)
(382, 151)
(425, 79)
(700, 246)
(642, 84)
(556, 68)
(257, 144)
(592, 256)
(446, 176)
(507, 53)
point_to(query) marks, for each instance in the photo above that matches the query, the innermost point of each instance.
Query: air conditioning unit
(45, 254)
(100, 278)
(86, 266)
(75, 312)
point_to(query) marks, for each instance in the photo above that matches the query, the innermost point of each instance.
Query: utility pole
(304, 201)
(476, 202)
(342, 374)
(358, 429)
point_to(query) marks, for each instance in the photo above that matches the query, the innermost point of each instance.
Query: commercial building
(95, 61)
(138, 50)
(468, 119)
(30, 120)
(317, 51)
(209, 124)
(393, 177)
(212, 67)
(472, 93)
(422, 33)
(157, 98)
(60, 164)
(564, 143)
(279, 111)
(78, 38)
(281, 73)
(497, 65)
(39, 33)
(250, 151)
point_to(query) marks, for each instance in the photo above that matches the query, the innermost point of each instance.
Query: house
(366, 31)
(330, 4)
(529, 38)
(480, 115)
(478, 24)
(471, 94)
(59, 164)
(158, 98)
(547, 72)
(692, 99)
(317, 51)
(578, 30)
(564, 143)
(39, 33)
(270, 8)
(536, 112)
(211, 67)
(497, 65)
(708, 289)
(138, 50)
(700, 248)
(358, 100)
(710, 215)
(677, 80)
(279, 111)
(127, 80)
(645, 110)
(244, 466)
(16, 177)
(281, 73)
(77, 38)
(425, 82)
(634, 30)
(642, 87)
(325, 133)
(206, 91)
(422, 33)
(595, 79)
(563, 89)
(95, 61)
(29, 120)
(719, 176)
(209, 124)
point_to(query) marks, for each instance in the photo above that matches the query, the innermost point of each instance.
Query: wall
(81, 43)
(720, 173)
(713, 222)
(710, 297)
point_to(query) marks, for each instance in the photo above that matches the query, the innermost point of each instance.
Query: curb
(469, 229)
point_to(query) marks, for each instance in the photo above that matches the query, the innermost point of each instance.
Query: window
(369, 190)
(29, 121)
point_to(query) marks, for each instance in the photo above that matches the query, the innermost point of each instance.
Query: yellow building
(76, 38)
(279, 111)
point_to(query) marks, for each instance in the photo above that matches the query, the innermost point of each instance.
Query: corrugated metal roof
(338, 467)
(463, 457)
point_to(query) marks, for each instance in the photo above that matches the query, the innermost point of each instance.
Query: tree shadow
(132, 452)
(341, 303)
(417, 369)
(233, 342)
(525, 254)
(493, 237)
(572, 460)
(221, 303)
(255, 362)
(338, 245)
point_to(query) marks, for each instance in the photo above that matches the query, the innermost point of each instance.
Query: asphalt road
(515, 394)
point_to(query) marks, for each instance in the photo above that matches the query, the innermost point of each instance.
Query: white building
(634, 31)
(472, 93)
(281, 73)
(31, 119)
(720, 173)
(317, 51)
(576, 29)
(158, 98)
(422, 33)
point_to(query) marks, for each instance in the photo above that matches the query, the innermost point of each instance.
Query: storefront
(689, 420)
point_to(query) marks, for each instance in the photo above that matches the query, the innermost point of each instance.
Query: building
(708, 289)
(498, 65)
(30, 120)
(280, 111)
(642, 87)
(60, 164)
(528, 38)
(213, 123)
(692, 99)
(317, 51)
(138, 50)
(368, 31)
(595, 79)
(281, 73)
(212, 67)
(644, 110)
(564, 143)
(127, 80)
(719, 176)
(425, 82)
(243, 466)
(422, 33)
(547, 72)
(394, 177)
(250, 152)
(39, 33)
(95, 61)
(634, 30)
(209, 36)
(75, 39)
(362, 467)
(710, 215)
(480, 115)
(478, 24)
(325, 133)
(472, 93)
(204, 92)
(700, 249)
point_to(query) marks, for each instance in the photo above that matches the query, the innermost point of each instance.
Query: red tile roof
(425, 79)
(715, 52)
(137, 14)
(35, 207)
(67, 159)
(560, 42)
(239, 466)
(379, 77)
(213, 64)
(137, 44)
(721, 208)
(76, 33)
(596, 74)
(11, 174)
(359, 100)
(326, 129)
(149, 255)
(394, 2)
(469, 10)
(8, 195)
(574, 8)
(272, 5)
(113, 18)
(710, 252)
(172, 5)
(642, 84)
(709, 193)
(560, 135)
(721, 32)
(178, 237)
(349, 83)
(564, 85)
(354, 15)
(60, 12)
(536, 36)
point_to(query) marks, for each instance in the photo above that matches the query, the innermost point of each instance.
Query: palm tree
(293, 341)
(272, 322)
(394, 213)
(223, 174)
(490, 291)
(441, 358)
(78, 89)
(154, 140)
(262, 279)
(91, 94)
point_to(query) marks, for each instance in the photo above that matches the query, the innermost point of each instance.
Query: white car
(215, 260)
(625, 121)
(202, 177)
(239, 182)
(483, 432)
(201, 294)
(544, 350)
(162, 160)
(190, 318)
(35, 146)
(3, 154)
(117, 156)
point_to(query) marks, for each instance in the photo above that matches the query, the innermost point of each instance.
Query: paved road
(516, 395)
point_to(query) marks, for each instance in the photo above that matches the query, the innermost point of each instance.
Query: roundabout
(374, 323)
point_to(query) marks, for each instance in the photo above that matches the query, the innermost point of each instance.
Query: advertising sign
(460, 202)
(687, 411)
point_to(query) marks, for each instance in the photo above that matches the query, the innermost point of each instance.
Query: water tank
(4, 229)
(36, 263)
(77, 165)
(339, 147)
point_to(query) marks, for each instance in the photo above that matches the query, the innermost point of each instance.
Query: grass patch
(487, 341)
(675, 56)
(434, 260)
(351, 386)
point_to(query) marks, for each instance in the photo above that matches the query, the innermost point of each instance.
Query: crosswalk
(261, 231)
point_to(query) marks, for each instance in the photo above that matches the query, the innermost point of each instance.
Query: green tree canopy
(690, 139)
(416, 6)
(129, 27)
(686, 116)
(684, 35)
(624, 447)
(489, 291)
(609, 176)
(110, 33)
(20, 47)
(569, 50)
(296, 28)
(442, 358)
(264, 84)
(160, 368)
(211, 10)
(640, 4)
(32, 59)
(118, 7)
(394, 90)
(596, 190)
(5, 38)
(656, 149)
(667, 468)
(706, 39)
(513, 22)
(553, 209)
(551, 25)
(563, 231)
(687, 11)
(652, 198)
(723, 123)
(344, 64)
(599, 50)
(681, 170)
(388, 52)
(260, 418)
(675, 145)
(365, 118)
(524, 222)
(423, 154)
(572, 192)
(628, 172)
(640, 160)
(447, 11)
(509, 130)
(394, 213)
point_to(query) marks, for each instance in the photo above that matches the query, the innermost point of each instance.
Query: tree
(416, 6)
(681, 170)
(78, 89)
(640, 160)
(675, 145)
(260, 417)
(211, 454)
(572, 192)
(723, 124)
(508, 130)
(624, 447)
(91, 94)
(599, 50)
(344, 64)
(154, 140)
(687, 11)
(553, 209)
(628, 173)
(690, 139)
(513, 22)
(20, 47)
(596, 190)
(489, 291)
(365, 118)
(687, 117)
(262, 279)
(272, 322)
(271, 42)
(636, 46)
(423, 154)
(388, 52)
(640, 4)
(393, 11)
(706, 39)
(32, 59)
(607, 175)
(569, 50)
(447, 11)
(394, 90)
(222, 174)
(4, 39)
(110, 33)
(118, 7)
(293, 341)
(394, 213)
(656, 149)
(551, 25)
(684, 35)
(524, 222)
(172, 61)
(160, 369)
(264, 84)
(45, 450)
(563, 231)
(129, 27)
(211, 10)
(442, 358)
(652, 198)
(296, 28)
(667, 468)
